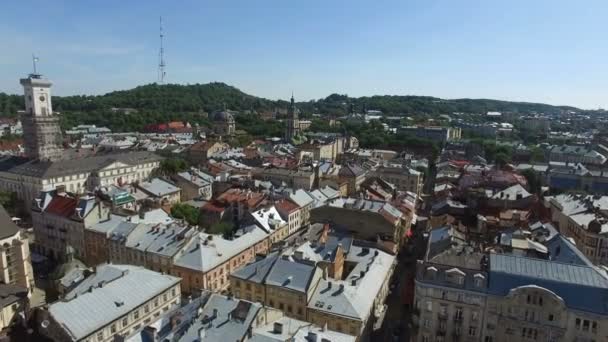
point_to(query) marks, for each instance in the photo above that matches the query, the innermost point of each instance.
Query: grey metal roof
(125, 288)
(581, 287)
(290, 274)
(258, 270)
(158, 187)
(301, 197)
(78, 165)
(9, 294)
(7, 227)
(205, 251)
(297, 331)
(165, 240)
(222, 320)
(356, 300)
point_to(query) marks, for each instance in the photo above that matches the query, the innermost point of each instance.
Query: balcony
(458, 319)
(442, 316)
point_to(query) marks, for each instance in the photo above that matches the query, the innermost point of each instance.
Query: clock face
(41, 98)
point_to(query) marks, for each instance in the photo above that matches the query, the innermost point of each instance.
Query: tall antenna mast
(161, 56)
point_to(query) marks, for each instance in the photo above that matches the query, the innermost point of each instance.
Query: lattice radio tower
(161, 56)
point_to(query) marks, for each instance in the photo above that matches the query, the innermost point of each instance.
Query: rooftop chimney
(277, 328)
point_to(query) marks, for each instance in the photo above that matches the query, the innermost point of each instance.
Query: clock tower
(293, 122)
(41, 131)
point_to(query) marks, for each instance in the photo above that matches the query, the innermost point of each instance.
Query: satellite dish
(45, 324)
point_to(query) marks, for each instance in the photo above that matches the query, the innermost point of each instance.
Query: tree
(537, 154)
(185, 212)
(171, 166)
(9, 201)
(501, 159)
(534, 184)
(223, 228)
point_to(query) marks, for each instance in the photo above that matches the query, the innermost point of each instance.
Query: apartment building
(59, 221)
(117, 301)
(297, 179)
(270, 221)
(353, 175)
(279, 281)
(206, 261)
(203, 150)
(232, 206)
(194, 184)
(305, 200)
(576, 154)
(99, 237)
(291, 213)
(335, 282)
(369, 220)
(404, 178)
(462, 293)
(161, 191)
(153, 246)
(584, 218)
(441, 134)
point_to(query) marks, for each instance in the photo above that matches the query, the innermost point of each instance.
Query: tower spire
(34, 61)
(161, 56)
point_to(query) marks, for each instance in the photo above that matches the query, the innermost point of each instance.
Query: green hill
(160, 103)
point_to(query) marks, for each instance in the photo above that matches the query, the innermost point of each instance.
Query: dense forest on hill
(161, 103)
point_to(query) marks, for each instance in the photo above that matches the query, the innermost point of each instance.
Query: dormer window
(455, 276)
(479, 279)
(431, 272)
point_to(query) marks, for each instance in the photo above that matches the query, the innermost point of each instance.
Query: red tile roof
(239, 195)
(62, 206)
(212, 207)
(286, 206)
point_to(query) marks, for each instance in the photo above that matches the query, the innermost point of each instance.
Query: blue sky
(551, 51)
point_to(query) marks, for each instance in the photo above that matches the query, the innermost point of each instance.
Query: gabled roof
(301, 198)
(62, 206)
(124, 289)
(222, 319)
(290, 274)
(512, 192)
(258, 270)
(351, 170)
(7, 227)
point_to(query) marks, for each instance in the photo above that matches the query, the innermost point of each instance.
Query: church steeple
(292, 108)
(293, 123)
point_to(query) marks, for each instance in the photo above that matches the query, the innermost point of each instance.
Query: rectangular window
(125, 322)
(472, 331)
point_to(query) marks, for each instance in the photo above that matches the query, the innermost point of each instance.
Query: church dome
(222, 116)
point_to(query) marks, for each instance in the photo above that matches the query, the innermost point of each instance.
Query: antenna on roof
(161, 56)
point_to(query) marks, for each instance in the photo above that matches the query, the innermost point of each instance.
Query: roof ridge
(546, 261)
